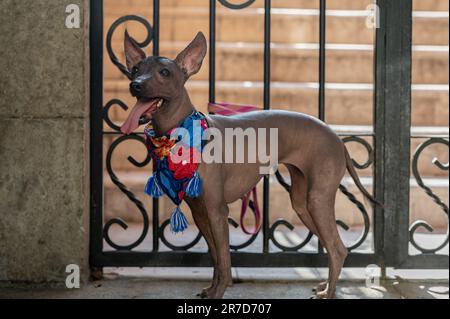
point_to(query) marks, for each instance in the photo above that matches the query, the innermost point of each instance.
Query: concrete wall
(43, 141)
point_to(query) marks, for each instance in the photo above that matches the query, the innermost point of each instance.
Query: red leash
(232, 109)
(245, 202)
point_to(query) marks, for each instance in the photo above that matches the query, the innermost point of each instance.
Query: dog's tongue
(138, 110)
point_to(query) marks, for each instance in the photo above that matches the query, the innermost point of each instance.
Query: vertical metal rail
(266, 193)
(156, 27)
(322, 57)
(155, 201)
(96, 128)
(392, 128)
(322, 60)
(212, 51)
(378, 215)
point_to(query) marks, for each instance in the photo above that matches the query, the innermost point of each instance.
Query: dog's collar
(195, 115)
(161, 146)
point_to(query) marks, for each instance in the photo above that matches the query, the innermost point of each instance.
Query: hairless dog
(314, 155)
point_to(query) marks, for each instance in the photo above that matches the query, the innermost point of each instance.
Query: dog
(314, 155)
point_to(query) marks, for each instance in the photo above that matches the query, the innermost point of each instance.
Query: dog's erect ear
(133, 53)
(190, 59)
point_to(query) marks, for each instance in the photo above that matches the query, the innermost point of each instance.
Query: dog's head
(157, 82)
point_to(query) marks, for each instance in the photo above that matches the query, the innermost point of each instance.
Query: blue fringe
(178, 222)
(194, 187)
(152, 188)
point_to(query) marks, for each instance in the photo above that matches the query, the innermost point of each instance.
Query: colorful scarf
(176, 156)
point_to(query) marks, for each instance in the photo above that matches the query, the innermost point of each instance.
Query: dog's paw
(206, 293)
(320, 287)
(324, 294)
(321, 295)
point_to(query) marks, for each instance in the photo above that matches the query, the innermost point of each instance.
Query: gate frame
(392, 122)
(392, 128)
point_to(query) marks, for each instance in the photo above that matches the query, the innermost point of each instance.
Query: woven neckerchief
(176, 175)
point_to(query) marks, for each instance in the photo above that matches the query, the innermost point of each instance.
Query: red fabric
(187, 165)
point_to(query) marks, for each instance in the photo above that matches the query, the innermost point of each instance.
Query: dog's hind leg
(201, 219)
(298, 194)
(321, 205)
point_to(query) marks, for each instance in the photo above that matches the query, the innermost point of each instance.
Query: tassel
(152, 188)
(178, 222)
(194, 187)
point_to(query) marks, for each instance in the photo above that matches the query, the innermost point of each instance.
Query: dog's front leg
(201, 219)
(218, 218)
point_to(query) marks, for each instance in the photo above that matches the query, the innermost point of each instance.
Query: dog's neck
(173, 114)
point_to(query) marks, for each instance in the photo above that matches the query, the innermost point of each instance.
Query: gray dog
(314, 155)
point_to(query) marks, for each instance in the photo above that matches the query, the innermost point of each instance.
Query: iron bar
(96, 128)
(266, 190)
(155, 201)
(322, 58)
(212, 51)
(238, 259)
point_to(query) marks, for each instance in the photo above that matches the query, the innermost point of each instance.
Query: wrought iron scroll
(106, 117)
(242, 5)
(252, 238)
(351, 197)
(172, 246)
(127, 192)
(415, 170)
(143, 44)
(116, 130)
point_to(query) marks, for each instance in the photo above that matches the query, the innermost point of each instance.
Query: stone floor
(184, 283)
(250, 283)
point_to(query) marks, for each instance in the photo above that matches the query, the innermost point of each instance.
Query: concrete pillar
(44, 188)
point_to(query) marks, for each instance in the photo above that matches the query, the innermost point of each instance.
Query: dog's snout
(135, 88)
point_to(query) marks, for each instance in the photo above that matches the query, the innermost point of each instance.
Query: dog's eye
(134, 70)
(164, 72)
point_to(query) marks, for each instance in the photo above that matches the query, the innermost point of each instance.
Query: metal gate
(389, 155)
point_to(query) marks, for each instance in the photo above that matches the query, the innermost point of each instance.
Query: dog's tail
(354, 175)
